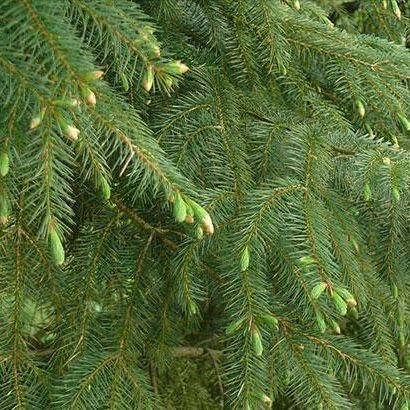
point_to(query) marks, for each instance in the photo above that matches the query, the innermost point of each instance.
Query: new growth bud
(36, 121)
(340, 304)
(360, 108)
(189, 219)
(201, 216)
(124, 82)
(404, 121)
(69, 131)
(320, 321)
(336, 327)
(180, 210)
(56, 246)
(105, 189)
(199, 232)
(192, 308)
(396, 9)
(156, 50)
(318, 289)
(4, 164)
(270, 320)
(207, 225)
(4, 210)
(89, 96)
(233, 327)
(93, 75)
(148, 80)
(176, 67)
(396, 194)
(245, 257)
(267, 400)
(355, 245)
(183, 68)
(91, 99)
(72, 132)
(306, 260)
(347, 296)
(354, 313)
(257, 341)
(367, 192)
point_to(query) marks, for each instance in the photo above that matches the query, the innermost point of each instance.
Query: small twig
(153, 375)
(192, 352)
(218, 375)
(137, 220)
(343, 151)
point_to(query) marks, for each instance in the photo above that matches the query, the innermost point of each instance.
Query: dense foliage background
(204, 204)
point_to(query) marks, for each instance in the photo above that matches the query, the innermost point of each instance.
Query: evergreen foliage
(204, 204)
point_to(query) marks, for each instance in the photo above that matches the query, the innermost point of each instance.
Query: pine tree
(204, 204)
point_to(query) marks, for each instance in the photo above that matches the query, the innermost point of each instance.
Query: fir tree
(204, 204)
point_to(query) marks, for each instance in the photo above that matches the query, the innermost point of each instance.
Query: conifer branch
(239, 168)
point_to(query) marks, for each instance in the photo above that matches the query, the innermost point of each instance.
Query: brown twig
(192, 352)
(218, 375)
